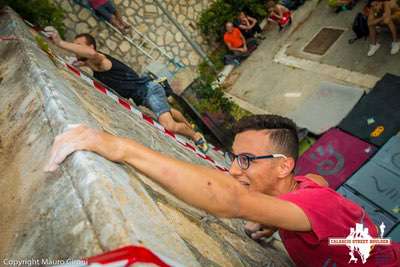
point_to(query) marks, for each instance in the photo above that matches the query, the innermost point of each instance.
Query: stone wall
(148, 19)
(92, 205)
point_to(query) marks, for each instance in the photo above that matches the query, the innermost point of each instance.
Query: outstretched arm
(208, 189)
(80, 50)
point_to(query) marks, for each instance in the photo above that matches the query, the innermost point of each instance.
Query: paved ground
(278, 77)
(342, 54)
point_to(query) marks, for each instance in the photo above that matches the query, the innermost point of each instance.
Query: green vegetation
(212, 20)
(39, 12)
(212, 99)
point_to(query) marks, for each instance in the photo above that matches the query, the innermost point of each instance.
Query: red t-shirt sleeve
(325, 209)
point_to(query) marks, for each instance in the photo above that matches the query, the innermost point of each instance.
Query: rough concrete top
(91, 205)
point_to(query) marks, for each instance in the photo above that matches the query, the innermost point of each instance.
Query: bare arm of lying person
(85, 54)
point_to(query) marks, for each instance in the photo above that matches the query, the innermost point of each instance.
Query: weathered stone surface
(92, 22)
(82, 27)
(84, 14)
(65, 5)
(91, 205)
(124, 46)
(130, 11)
(111, 44)
(168, 38)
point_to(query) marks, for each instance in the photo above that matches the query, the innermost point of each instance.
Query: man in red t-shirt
(260, 187)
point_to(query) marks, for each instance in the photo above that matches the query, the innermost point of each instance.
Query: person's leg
(156, 100)
(111, 8)
(374, 46)
(392, 27)
(178, 116)
(389, 23)
(171, 125)
(107, 13)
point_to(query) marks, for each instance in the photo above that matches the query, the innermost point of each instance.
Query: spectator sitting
(383, 13)
(341, 5)
(106, 10)
(279, 14)
(249, 26)
(129, 84)
(237, 44)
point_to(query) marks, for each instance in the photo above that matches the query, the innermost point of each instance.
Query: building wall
(150, 20)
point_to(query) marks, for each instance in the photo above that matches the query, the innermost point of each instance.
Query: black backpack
(360, 27)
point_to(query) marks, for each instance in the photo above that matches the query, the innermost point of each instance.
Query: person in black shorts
(126, 82)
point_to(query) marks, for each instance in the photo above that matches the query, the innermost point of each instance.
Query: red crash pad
(335, 156)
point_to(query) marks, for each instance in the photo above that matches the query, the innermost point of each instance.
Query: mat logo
(378, 131)
(330, 160)
(389, 191)
(360, 242)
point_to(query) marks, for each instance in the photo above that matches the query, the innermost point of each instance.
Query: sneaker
(395, 48)
(373, 49)
(202, 145)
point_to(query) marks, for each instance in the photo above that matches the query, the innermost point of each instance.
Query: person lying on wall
(126, 82)
(260, 187)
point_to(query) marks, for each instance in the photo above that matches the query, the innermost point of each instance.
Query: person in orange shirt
(234, 39)
(237, 44)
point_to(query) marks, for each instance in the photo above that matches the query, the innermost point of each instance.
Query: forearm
(207, 189)
(80, 50)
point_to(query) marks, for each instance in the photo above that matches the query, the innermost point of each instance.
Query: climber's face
(261, 175)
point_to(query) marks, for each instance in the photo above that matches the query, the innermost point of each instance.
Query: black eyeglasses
(244, 160)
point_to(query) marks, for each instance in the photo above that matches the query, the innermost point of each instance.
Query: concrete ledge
(91, 205)
(364, 80)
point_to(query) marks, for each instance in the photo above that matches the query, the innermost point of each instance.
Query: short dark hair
(282, 131)
(89, 39)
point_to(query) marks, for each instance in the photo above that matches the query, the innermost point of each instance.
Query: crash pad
(335, 156)
(389, 155)
(379, 179)
(326, 107)
(379, 185)
(377, 214)
(376, 117)
(395, 233)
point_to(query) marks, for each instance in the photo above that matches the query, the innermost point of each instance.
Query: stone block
(81, 27)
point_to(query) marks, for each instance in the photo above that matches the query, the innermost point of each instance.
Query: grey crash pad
(389, 155)
(379, 179)
(375, 213)
(378, 184)
(327, 107)
(395, 234)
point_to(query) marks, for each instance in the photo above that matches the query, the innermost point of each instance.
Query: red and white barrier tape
(8, 38)
(126, 105)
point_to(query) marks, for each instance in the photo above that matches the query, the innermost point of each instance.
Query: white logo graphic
(360, 241)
